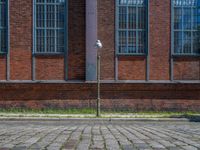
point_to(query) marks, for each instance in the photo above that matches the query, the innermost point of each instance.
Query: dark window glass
(186, 27)
(131, 26)
(49, 26)
(3, 26)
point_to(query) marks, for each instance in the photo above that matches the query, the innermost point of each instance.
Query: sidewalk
(102, 135)
(104, 117)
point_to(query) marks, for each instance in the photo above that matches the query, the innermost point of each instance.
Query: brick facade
(159, 34)
(49, 68)
(3, 67)
(106, 32)
(138, 96)
(131, 68)
(187, 69)
(135, 96)
(20, 39)
(76, 40)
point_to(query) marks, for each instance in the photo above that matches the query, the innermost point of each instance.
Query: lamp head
(98, 44)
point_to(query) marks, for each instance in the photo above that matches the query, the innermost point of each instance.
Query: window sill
(48, 54)
(3, 53)
(186, 55)
(131, 54)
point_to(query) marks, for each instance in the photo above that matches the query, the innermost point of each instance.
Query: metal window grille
(131, 27)
(186, 27)
(3, 26)
(49, 26)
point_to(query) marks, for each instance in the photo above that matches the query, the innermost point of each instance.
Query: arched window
(131, 27)
(50, 18)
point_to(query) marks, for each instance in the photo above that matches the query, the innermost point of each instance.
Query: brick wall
(3, 67)
(133, 67)
(47, 68)
(106, 33)
(187, 68)
(159, 39)
(108, 104)
(50, 68)
(114, 96)
(136, 96)
(20, 39)
(77, 53)
(129, 68)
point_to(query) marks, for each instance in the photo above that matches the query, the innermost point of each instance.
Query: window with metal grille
(3, 26)
(131, 27)
(186, 27)
(49, 26)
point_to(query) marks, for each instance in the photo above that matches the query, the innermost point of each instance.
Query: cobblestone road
(84, 135)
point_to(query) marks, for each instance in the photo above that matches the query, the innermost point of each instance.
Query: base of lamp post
(98, 107)
(98, 85)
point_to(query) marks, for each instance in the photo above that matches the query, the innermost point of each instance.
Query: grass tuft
(93, 111)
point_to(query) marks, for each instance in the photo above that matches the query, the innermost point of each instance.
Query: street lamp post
(98, 46)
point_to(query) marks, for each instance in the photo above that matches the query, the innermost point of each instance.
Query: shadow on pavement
(191, 118)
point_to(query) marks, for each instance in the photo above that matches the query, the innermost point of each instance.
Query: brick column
(91, 37)
(159, 25)
(20, 39)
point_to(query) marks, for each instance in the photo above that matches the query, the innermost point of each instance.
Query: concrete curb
(92, 119)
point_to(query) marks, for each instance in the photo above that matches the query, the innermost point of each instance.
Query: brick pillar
(159, 25)
(20, 39)
(91, 37)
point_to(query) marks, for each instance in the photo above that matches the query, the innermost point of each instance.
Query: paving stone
(87, 135)
(155, 145)
(20, 148)
(35, 146)
(83, 146)
(9, 146)
(189, 148)
(127, 147)
(71, 144)
(174, 148)
(142, 145)
(166, 143)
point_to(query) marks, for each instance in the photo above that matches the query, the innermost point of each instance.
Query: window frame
(65, 28)
(146, 49)
(7, 29)
(173, 53)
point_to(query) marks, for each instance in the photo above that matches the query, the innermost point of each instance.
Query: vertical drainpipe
(91, 37)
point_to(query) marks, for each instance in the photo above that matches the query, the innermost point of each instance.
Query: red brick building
(150, 55)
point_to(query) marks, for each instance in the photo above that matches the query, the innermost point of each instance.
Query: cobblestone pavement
(84, 135)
